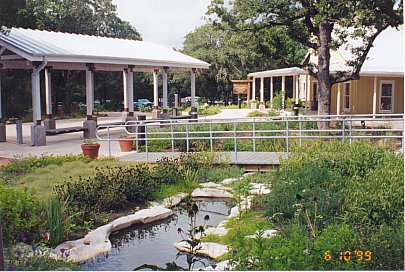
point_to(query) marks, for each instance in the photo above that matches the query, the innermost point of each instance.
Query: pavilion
(46, 50)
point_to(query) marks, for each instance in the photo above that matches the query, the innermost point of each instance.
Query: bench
(51, 132)
(181, 117)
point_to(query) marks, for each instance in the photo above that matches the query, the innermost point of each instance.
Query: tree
(91, 17)
(321, 25)
(234, 54)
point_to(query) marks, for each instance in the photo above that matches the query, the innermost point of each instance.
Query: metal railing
(287, 130)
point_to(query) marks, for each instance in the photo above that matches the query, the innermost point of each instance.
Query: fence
(262, 133)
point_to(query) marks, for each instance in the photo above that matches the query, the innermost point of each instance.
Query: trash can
(296, 109)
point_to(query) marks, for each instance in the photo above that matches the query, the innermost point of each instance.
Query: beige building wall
(361, 98)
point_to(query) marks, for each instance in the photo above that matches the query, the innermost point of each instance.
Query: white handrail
(294, 128)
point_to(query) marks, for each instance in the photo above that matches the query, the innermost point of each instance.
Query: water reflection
(151, 244)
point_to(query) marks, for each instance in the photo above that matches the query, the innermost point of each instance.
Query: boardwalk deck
(249, 160)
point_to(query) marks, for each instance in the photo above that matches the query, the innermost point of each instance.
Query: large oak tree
(321, 25)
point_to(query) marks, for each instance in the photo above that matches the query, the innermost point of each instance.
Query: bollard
(141, 130)
(18, 127)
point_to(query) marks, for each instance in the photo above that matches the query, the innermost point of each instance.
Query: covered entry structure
(46, 51)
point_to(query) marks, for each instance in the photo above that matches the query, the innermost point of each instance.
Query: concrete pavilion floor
(70, 143)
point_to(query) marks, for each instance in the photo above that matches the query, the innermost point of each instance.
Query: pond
(152, 244)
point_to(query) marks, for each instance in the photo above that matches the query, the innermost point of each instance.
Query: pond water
(152, 244)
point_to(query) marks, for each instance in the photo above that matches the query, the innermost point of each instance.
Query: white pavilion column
(90, 123)
(130, 90)
(2, 126)
(126, 93)
(297, 89)
(254, 90)
(36, 93)
(338, 99)
(262, 107)
(49, 122)
(282, 92)
(155, 112)
(38, 133)
(165, 90)
(375, 97)
(155, 89)
(193, 72)
(271, 92)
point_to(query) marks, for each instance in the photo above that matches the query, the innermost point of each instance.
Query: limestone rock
(212, 250)
(229, 181)
(210, 192)
(259, 189)
(266, 234)
(97, 241)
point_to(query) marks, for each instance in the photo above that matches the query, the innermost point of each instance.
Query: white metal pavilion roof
(386, 57)
(57, 47)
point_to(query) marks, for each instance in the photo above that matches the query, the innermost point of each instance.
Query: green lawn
(42, 180)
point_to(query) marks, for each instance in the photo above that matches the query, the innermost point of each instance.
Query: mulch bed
(4, 161)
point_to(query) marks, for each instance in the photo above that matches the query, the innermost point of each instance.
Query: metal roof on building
(35, 45)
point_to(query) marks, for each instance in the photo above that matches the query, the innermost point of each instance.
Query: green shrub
(57, 220)
(20, 215)
(111, 188)
(168, 171)
(343, 197)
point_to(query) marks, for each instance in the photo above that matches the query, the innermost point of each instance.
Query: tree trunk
(324, 86)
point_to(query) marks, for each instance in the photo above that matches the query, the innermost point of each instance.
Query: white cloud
(165, 22)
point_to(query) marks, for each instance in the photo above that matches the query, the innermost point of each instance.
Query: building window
(387, 95)
(347, 96)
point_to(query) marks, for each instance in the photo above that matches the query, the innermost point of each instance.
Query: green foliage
(57, 220)
(110, 188)
(334, 196)
(18, 167)
(217, 174)
(190, 182)
(168, 170)
(24, 259)
(20, 215)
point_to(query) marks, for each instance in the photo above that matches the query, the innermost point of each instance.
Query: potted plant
(126, 142)
(253, 104)
(90, 148)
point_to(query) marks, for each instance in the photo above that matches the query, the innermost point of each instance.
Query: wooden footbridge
(250, 161)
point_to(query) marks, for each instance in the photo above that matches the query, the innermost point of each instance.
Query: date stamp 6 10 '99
(349, 255)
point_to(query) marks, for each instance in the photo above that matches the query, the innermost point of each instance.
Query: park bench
(51, 132)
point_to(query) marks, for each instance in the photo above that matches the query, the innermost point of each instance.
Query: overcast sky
(165, 22)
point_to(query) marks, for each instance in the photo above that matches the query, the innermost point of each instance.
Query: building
(380, 89)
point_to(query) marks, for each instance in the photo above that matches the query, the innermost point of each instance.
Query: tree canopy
(317, 24)
(91, 17)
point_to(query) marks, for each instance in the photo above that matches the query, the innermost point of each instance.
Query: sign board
(241, 86)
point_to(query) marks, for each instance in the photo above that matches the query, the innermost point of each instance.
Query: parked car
(143, 103)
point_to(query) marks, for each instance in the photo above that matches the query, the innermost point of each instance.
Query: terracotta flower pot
(91, 150)
(126, 143)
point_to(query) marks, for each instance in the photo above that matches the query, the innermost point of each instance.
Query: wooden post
(297, 89)
(89, 94)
